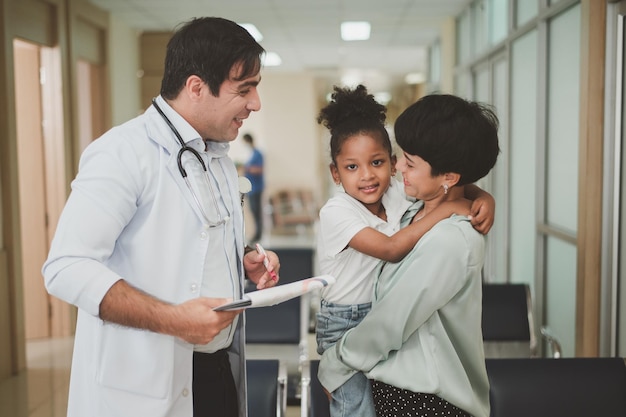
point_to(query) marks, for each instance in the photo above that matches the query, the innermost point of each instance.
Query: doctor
(151, 239)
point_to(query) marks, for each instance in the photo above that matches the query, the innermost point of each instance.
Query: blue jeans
(354, 397)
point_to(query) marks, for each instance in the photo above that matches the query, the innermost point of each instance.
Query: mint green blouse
(424, 332)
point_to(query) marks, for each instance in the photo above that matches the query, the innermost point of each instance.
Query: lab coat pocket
(136, 361)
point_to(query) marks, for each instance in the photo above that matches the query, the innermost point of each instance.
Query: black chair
(507, 321)
(283, 323)
(548, 387)
(314, 400)
(281, 331)
(508, 324)
(267, 388)
(296, 263)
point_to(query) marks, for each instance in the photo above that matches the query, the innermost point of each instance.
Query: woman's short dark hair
(209, 47)
(451, 134)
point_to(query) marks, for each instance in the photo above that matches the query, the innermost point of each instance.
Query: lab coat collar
(190, 136)
(187, 132)
(160, 133)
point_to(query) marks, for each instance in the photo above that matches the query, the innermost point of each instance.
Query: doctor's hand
(197, 322)
(257, 272)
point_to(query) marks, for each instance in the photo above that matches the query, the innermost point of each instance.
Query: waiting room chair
(291, 209)
(281, 331)
(548, 387)
(314, 400)
(267, 388)
(508, 324)
(507, 321)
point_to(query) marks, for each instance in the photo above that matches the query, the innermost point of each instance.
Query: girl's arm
(483, 208)
(393, 248)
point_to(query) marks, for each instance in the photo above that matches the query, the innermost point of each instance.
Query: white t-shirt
(341, 218)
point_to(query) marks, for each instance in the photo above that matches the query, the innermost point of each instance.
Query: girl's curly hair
(352, 112)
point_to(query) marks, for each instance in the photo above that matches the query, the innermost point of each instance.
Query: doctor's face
(219, 118)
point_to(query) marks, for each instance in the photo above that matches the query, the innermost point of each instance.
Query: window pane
(463, 37)
(523, 150)
(481, 85)
(561, 293)
(498, 176)
(479, 28)
(525, 10)
(498, 20)
(562, 132)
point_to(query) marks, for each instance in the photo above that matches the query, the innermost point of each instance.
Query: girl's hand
(482, 213)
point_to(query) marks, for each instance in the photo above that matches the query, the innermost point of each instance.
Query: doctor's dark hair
(209, 47)
(451, 134)
(354, 112)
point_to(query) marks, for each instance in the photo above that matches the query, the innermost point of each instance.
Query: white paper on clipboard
(278, 294)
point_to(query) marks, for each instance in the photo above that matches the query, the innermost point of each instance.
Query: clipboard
(278, 294)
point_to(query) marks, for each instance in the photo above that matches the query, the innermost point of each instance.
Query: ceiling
(306, 33)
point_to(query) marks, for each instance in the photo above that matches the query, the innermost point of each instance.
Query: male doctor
(151, 239)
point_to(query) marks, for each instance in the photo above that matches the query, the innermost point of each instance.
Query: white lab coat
(130, 215)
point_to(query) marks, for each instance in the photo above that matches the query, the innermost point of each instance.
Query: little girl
(360, 226)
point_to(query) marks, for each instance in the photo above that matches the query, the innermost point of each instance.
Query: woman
(421, 344)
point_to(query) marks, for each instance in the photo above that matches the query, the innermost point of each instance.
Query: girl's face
(418, 181)
(364, 168)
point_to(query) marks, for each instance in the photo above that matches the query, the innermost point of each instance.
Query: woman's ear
(451, 178)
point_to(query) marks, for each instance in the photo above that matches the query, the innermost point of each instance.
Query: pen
(266, 261)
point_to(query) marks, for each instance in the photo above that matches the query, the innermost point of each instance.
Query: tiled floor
(40, 391)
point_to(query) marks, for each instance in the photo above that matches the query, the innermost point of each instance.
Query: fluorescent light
(355, 31)
(383, 97)
(271, 59)
(351, 79)
(252, 30)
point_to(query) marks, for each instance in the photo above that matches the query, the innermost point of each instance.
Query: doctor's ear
(194, 87)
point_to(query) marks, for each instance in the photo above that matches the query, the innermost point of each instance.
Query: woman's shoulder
(455, 225)
(456, 235)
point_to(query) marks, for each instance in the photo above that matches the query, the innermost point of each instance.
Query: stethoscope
(183, 172)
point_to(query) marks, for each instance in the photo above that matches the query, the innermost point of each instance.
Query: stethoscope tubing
(183, 172)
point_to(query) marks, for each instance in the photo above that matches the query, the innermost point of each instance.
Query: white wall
(286, 131)
(123, 67)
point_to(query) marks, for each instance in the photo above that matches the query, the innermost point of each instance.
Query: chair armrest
(281, 399)
(305, 392)
(555, 346)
